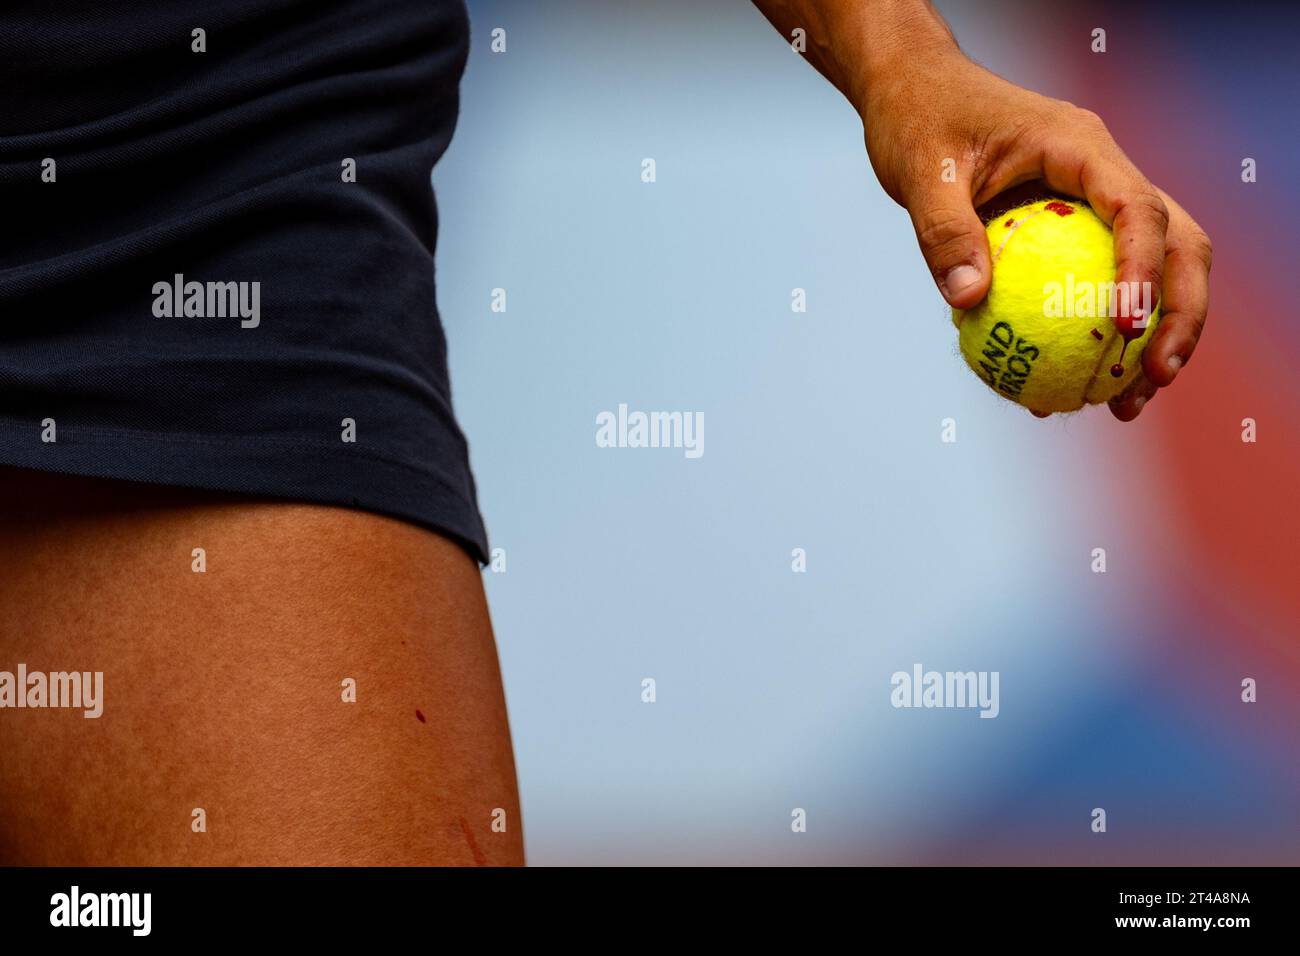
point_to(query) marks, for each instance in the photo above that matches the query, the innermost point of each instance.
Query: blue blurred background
(822, 432)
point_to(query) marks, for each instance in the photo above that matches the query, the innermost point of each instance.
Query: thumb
(953, 242)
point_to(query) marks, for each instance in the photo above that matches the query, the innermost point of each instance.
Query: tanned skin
(223, 689)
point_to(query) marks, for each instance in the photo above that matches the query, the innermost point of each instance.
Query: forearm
(858, 45)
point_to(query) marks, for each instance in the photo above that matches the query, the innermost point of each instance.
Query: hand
(1015, 138)
(925, 108)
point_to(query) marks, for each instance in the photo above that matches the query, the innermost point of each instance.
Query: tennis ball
(1046, 336)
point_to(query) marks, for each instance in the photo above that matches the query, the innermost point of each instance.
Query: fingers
(1185, 301)
(1129, 404)
(1140, 224)
(1072, 153)
(1185, 298)
(952, 239)
(1161, 255)
(1091, 165)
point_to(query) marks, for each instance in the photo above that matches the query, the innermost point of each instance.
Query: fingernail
(959, 279)
(1175, 363)
(1139, 402)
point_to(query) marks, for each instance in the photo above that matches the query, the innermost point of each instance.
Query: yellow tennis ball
(1046, 335)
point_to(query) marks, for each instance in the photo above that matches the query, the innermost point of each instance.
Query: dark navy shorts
(217, 232)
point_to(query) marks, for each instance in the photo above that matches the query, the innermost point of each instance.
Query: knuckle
(1086, 120)
(1145, 206)
(1150, 204)
(1086, 117)
(1201, 246)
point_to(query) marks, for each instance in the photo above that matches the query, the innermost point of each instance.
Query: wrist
(885, 45)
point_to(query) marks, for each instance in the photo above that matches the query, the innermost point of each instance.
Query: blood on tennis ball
(1047, 335)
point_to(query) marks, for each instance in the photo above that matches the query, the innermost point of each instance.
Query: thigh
(325, 692)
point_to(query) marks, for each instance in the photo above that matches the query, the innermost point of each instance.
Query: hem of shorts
(274, 470)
